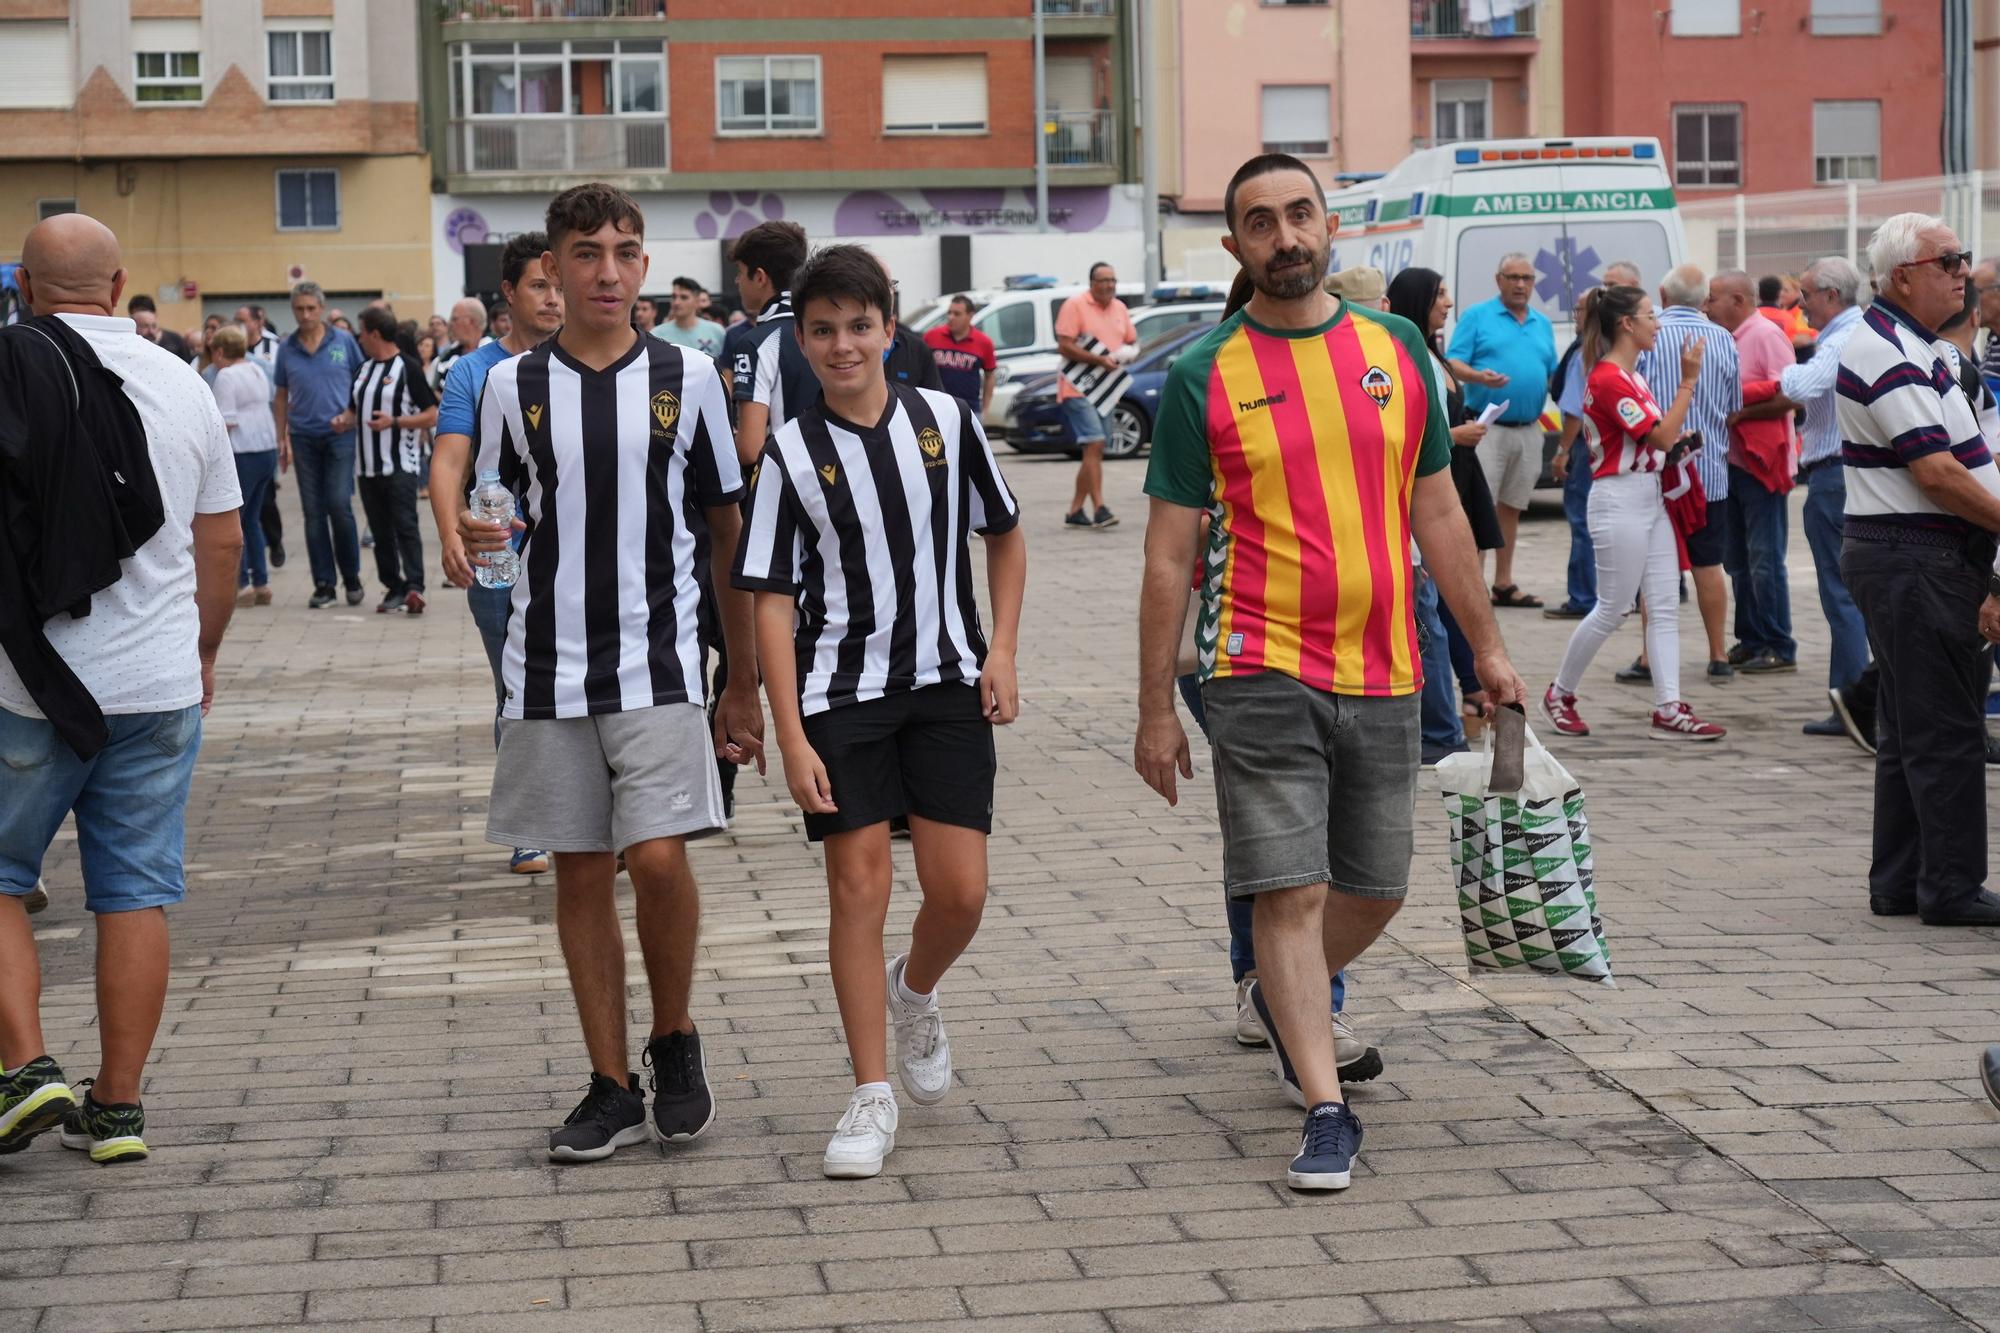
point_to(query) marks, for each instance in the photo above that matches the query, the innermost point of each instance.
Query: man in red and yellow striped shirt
(1313, 435)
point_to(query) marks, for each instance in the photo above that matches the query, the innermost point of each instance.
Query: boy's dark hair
(587, 207)
(379, 322)
(1264, 164)
(843, 273)
(1769, 288)
(141, 303)
(778, 248)
(529, 245)
(688, 285)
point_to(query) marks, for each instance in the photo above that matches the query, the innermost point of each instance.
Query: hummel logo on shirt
(1270, 400)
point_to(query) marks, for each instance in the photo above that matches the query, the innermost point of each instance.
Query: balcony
(480, 11)
(1078, 8)
(1476, 19)
(1083, 139)
(556, 145)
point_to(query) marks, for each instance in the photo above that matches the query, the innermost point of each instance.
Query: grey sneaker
(923, 1053)
(1249, 1027)
(1354, 1059)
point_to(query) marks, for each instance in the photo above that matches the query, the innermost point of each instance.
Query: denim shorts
(130, 800)
(1312, 787)
(1085, 425)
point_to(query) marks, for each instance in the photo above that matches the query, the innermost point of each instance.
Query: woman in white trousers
(1629, 436)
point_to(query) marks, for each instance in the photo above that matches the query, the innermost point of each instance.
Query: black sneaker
(392, 601)
(1104, 519)
(355, 594)
(1764, 662)
(1328, 1148)
(33, 1100)
(1288, 1080)
(1567, 611)
(1636, 674)
(1079, 519)
(1739, 653)
(275, 553)
(1856, 710)
(322, 596)
(1989, 1075)
(608, 1118)
(111, 1133)
(682, 1104)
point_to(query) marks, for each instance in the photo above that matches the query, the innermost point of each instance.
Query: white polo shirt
(136, 652)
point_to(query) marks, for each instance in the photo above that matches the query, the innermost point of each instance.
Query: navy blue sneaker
(1327, 1149)
(1286, 1078)
(1989, 1074)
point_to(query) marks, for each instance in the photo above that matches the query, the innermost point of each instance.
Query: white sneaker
(865, 1135)
(1249, 1027)
(1356, 1060)
(923, 1054)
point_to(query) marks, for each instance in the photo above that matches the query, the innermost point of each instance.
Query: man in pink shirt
(1097, 314)
(1758, 523)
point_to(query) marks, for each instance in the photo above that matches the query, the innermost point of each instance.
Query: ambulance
(1571, 205)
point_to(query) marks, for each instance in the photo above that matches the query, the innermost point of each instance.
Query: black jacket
(77, 496)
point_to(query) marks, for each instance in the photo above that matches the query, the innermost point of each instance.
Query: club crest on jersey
(1377, 385)
(932, 444)
(533, 412)
(666, 411)
(830, 473)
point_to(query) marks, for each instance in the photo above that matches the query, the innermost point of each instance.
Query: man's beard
(1307, 271)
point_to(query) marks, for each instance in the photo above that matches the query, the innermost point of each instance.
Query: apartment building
(233, 145)
(1760, 96)
(907, 124)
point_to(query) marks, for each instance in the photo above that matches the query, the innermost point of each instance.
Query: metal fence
(1782, 233)
(1463, 18)
(1083, 139)
(1069, 8)
(557, 145)
(482, 10)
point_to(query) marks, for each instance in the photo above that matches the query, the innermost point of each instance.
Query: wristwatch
(1993, 585)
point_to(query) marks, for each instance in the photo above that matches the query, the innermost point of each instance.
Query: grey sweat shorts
(600, 784)
(1313, 787)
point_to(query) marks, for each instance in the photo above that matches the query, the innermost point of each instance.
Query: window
(1847, 141)
(301, 65)
(166, 60)
(48, 208)
(580, 78)
(40, 72)
(309, 200)
(1707, 18)
(934, 94)
(1009, 326)
(767, 94)
(1461, 109)
(1298, 119)
(1846, 18)
(1708, 144)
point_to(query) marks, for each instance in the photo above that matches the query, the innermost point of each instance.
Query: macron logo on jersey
(533, 412)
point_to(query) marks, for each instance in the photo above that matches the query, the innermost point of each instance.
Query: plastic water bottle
(494, 503)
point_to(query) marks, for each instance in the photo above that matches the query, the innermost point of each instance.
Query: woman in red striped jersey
(1629, 438)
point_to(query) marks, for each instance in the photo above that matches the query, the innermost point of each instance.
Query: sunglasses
(1953, 264)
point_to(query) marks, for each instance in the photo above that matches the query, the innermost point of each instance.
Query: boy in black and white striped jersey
(393, 402)
(883, 689)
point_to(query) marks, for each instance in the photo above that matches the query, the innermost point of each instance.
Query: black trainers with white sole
(682, 1104)
(608, 1118)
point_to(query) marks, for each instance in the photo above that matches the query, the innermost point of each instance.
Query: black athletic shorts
(927, 753)
(1707, 543)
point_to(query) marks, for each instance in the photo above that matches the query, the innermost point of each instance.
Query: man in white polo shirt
(146, 655)
(1923, 508)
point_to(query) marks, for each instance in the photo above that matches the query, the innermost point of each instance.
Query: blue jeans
(490, 608)
(1755, 560)
(1826, 503)
(325, 465)
(1441, 728)
(1576, 508)
(254, 473)
(1242, 952)
(130, 800)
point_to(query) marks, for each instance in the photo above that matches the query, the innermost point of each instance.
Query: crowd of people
(795, 494)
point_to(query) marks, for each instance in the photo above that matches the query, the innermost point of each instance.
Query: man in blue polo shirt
(1504, 351)
(314, 376)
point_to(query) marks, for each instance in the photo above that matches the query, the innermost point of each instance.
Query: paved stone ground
(1772, 1123)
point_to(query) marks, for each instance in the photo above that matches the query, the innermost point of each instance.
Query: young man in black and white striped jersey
(393, 403)
(884, 690)
(618, 444)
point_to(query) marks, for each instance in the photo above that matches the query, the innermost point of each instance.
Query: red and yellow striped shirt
(1304, 446)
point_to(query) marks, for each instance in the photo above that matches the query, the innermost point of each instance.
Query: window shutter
(1847, 129)
(934, 92)
(40, 72)
(166, 34)
(1298, 114)
(1070, 85)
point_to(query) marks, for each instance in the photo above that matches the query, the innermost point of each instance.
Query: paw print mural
(730, 215)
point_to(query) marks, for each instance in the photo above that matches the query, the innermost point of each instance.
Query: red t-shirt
(1619, 412)
(960, 363)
